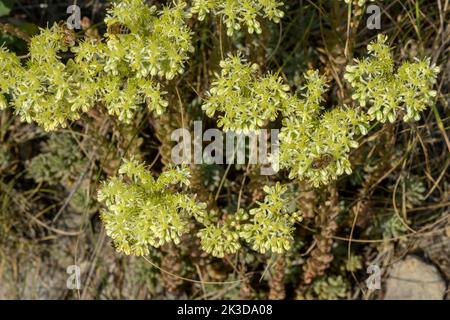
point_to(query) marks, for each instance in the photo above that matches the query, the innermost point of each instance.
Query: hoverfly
(322, 161)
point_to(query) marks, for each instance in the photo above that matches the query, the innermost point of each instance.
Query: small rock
(413, 279)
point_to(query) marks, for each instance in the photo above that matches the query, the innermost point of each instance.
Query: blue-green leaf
(5, 7)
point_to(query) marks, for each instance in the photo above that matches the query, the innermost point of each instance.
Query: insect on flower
(118, 28)
(322, 161)
(69, 35)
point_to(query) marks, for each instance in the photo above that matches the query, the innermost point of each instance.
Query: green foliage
(414, 192)
(240, 12)
(4, 156)
(61, 161)
(82, 201)
(329, 288)
(360, 3)
(353, 264)
(5, 7)
(244, 100)
(390, 94)
(392, 226)
(142, 211)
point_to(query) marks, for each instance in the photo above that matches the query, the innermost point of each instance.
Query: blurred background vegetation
(396, 202)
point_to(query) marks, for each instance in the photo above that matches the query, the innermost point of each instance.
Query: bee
(117, 28)
(322, 162)
(69, 37)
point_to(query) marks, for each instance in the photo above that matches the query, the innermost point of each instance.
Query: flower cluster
(318, 152)
(157, 43)
(388, 93)
(61, 80)
(272, 224)
(45, 89)
(220, 238)
(243, 100)
(142, 211)
(9, 67)
(141, 43)
(240, 12)
(268, 227)
(315, 148)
